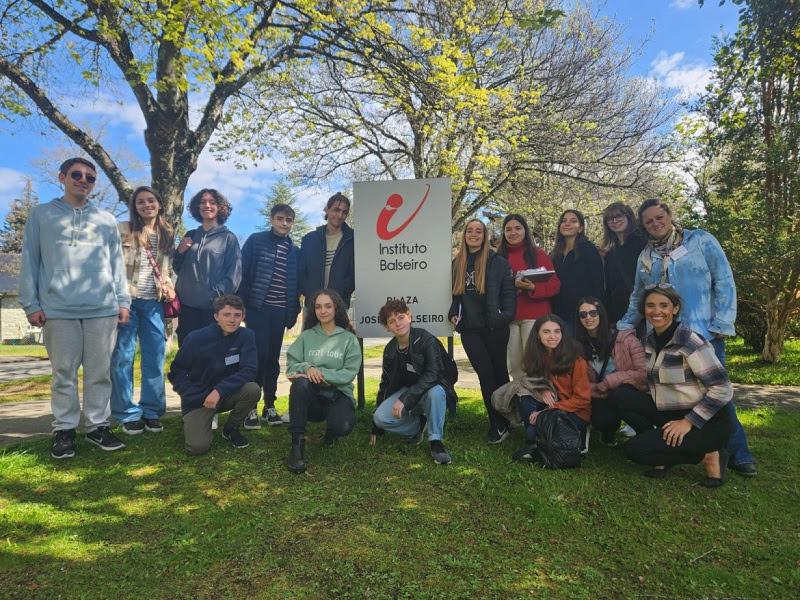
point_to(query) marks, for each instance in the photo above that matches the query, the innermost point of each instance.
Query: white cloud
(118, 112)
(12, 183)
(675, 72)
(683, 4)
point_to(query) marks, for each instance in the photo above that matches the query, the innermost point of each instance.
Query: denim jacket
(701, 275)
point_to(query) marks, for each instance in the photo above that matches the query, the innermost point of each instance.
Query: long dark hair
(162, 227)
(610, 238)
(340, 317)
(604, 331)
(561, 242)
(539, 362)
(528, 244)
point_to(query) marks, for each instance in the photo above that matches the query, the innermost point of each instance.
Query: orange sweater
(574, 390)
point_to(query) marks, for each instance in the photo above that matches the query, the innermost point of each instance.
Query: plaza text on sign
(402, 247)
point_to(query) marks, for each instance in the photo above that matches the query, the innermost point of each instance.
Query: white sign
(402, 247)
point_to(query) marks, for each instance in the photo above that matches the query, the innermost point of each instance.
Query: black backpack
(558, 440)
(450, 367)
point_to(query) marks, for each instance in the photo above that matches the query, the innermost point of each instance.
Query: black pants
(192, 319)
(606, 412)
(268, 323)
(486, 350)
(311, 402)
(649, 447)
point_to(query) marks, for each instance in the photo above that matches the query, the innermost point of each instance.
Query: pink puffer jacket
(630, 362)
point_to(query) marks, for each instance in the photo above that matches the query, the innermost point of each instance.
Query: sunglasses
(585, 314)
(659, 286)
(78, 175)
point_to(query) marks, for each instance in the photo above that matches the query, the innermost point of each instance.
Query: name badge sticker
(678, 253)
(231, 360)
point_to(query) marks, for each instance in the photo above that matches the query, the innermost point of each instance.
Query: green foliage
(282, 193)
(745, 366)
(13, 228)
(385, 522)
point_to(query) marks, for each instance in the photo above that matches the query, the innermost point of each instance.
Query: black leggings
(311, 402)
(486, 350)
(606, 414)
(649, 447)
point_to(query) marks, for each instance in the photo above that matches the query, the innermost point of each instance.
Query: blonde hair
(460, 263)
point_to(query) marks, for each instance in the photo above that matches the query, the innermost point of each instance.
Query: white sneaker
(627, 431)
(215, 422)
(285, 417)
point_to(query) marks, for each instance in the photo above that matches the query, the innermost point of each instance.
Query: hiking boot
(296, 461)
(526, 453)
(63, 444)
(133, 427)
(271, 417)
(104, 439)
(416, 439)
(497, 435)
(439, 453)
(236, 439)
(251, 421)
(153, 425)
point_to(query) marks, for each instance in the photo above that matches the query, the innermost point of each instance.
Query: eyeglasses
(585, 314)
(659, 286)
(78, 175)
(618, 217)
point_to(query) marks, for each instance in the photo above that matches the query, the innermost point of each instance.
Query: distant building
(14, 325)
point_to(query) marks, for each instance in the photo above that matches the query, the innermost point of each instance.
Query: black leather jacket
(423, 351)
(501, 296)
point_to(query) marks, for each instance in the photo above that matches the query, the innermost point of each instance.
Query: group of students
(96, 289)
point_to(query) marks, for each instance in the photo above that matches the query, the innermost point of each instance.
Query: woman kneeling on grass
(617, 364)
(321, 365)
(689, 387)
(553, 356)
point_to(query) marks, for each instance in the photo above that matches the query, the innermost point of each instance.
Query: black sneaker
(63, 444)
(252, 422)
(133, 427)
(153, 425)
(104, 439)
(609, 439)
(497, 435)
(526, 453)
(236, 439)
(417, 437)
(439, 453)
(271, 417)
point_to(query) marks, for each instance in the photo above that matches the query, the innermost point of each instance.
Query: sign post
(403, 250)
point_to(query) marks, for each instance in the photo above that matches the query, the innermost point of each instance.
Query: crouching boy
(415, 390)
(215, 371)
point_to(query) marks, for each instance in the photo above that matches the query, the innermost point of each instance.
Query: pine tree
(14, 226)
(282, 193)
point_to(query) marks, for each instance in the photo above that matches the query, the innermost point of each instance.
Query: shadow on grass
(385, 522)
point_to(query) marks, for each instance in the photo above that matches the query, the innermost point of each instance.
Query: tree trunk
(777, 319)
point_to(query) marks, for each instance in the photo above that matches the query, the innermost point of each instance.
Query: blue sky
(674, 38)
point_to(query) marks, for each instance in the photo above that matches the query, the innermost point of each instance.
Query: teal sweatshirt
(338, 356)
(72, 265)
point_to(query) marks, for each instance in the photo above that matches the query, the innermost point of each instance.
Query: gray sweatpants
(71, 343)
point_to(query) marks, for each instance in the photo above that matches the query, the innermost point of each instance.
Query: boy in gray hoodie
(72, 283)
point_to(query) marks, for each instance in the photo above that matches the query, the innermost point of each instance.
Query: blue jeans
(147, 324)
(528, 405)
(737, 444)
(433, 405)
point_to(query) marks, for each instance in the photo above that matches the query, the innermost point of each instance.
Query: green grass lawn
(385, 522)
(745, 366)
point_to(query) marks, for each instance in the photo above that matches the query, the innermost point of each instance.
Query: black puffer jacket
(424, 354)
(501, 297)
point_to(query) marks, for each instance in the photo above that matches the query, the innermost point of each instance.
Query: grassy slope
(386, 522)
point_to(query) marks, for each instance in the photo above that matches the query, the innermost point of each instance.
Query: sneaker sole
(134, 432)
(153, 429)
(65, 455)
(106, 448)
(225, 437)
(441, 462)
(275, 423)
(499, 440)
(252, 427)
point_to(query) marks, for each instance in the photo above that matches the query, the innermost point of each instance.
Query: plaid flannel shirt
(686, 375)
